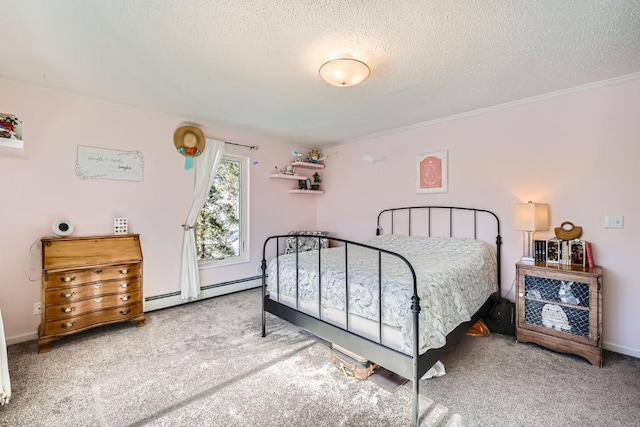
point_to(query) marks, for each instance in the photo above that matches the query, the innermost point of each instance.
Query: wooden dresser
(89, 282)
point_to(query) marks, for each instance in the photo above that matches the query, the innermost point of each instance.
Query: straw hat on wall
(189, 140)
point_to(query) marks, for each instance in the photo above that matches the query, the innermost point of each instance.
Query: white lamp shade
(531, 216)
(344, 72)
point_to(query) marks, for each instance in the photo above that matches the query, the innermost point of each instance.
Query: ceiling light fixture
(344, 71)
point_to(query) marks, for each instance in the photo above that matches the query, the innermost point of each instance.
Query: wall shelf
(307, 165)
(12, 148)
(285, 176)
(306, 192)
(302, 165)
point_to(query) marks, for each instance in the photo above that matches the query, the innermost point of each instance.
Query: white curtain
(5, 384)
(206, 165)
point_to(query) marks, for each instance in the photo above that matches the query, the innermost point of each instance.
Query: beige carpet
(201, 364)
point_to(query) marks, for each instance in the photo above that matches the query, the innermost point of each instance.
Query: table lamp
(529, 218)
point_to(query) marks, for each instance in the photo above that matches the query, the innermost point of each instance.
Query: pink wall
(44, 187)
(578, 152)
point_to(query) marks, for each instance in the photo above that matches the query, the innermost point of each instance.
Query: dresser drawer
(91, 290)
(77, 308)
(79, 277)
(95, 318)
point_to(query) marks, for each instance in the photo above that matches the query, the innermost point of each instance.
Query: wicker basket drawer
(97, 274)
(77, 308)
(95, 318)
(92, 290)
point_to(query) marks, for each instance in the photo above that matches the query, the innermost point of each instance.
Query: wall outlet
(37, 308)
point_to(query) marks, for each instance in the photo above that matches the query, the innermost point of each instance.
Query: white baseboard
(621, 349)
(22, 338)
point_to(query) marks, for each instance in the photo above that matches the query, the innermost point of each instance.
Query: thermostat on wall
(120, 226)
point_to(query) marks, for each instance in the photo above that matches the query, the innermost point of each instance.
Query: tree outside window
(219, 231)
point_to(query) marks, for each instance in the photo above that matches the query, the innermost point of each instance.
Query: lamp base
(528, 259)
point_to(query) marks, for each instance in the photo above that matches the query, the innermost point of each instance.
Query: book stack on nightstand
(559, 307)
(577, 252)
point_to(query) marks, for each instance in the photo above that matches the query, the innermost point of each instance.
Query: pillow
(307, 243)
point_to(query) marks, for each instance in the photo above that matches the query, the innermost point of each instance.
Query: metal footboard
(409, 366)
(377, 352)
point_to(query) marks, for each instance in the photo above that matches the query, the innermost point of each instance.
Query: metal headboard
(451, 210)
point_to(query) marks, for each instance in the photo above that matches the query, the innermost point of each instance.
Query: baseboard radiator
(171, 299)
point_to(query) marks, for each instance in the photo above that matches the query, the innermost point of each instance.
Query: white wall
(578, 151)
(44, 187)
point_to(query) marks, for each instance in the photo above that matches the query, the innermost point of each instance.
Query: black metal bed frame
(409, 366)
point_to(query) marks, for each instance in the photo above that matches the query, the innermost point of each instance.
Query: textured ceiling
(253, 64)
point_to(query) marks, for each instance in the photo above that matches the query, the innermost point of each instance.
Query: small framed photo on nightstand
(577, 252)
(553, 251)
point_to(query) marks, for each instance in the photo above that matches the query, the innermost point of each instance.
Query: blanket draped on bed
(455, 276)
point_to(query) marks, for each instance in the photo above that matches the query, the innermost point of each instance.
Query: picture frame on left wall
(432, 172)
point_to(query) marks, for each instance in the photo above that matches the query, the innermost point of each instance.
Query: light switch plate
(614, 221)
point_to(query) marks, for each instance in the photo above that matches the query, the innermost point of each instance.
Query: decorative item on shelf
(10, 127)
(568, 231)
(190, 142)
(297, 156)
(315, 156)
(288, 170)
(316, 182)
(529, 218)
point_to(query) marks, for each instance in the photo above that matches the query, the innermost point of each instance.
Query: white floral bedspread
(455, 276)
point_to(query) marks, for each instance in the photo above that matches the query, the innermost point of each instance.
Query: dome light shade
(344, 72)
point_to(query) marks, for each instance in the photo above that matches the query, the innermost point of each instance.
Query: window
(222, 226)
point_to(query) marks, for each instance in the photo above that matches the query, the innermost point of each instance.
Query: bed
(400, 299)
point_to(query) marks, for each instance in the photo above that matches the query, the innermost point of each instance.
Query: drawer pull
(125, 312)
(98, 271)
(124, 284)
(125, 271)
(97, 285)
(67, 324)
(98, 299)
(67, 309)
(69, 295)
(68, 279)
(127, 298)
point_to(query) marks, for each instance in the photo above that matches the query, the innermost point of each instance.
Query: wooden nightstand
(560, 307)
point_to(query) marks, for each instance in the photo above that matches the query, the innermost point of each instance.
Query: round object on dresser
(62, 227)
